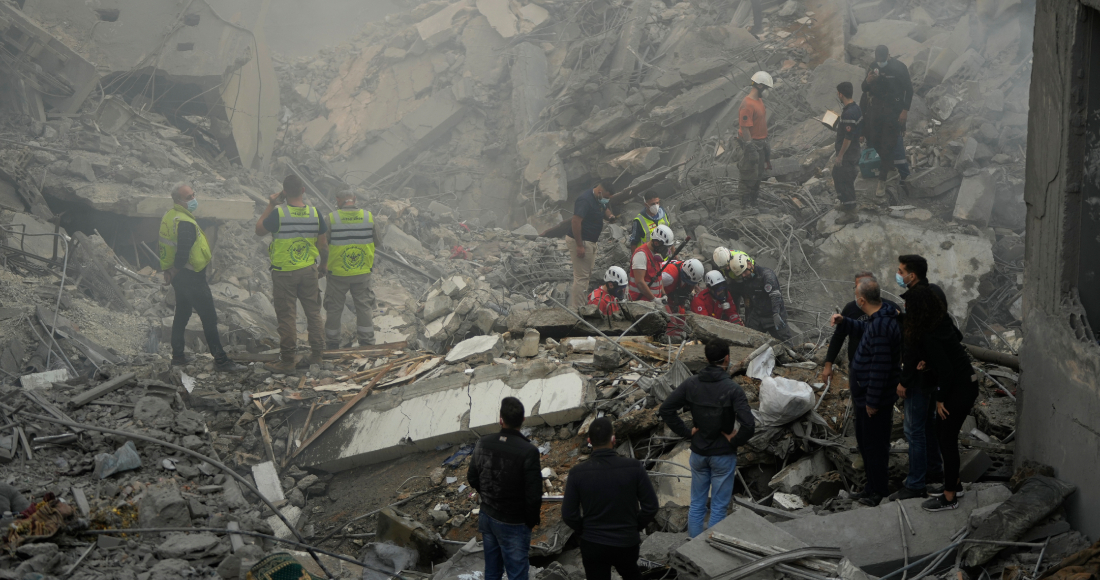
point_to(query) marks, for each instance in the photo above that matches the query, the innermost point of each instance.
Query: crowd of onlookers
(916, 355)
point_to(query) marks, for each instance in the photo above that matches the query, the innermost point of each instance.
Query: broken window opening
(107, 14)
(191, 20)
(1086, 235)
(185, 46)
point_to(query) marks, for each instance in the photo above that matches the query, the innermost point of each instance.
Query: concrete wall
(1059, 404)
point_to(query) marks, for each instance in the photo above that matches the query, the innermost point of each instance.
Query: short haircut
(864, 274)
(600, 432)
(606, 185)
(882, 52)
(511, 411)
(293, 186)
(716, 351)
(915, 264)
(845, 88)
(869, 291)
(651, 194)
(346, 194)
(177, 187)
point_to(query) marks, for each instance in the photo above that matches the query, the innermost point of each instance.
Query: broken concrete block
(822, 488)
(81, 166)
(606, 357)
(637, 161)
(624, 58)
(187, 546)
(697, 559)
(658, 546)
(675, 489)
(441, 328)
(973, 465)
(709, 329)
(527, 230)
(701, 71)
(965, 68)
(454, 286)
(530, 83)
(162, 506)
(800, 471)
(556, 399)
(484, 50)
(976, 196)
(267, 481)
(823, 81)
(476, 350)
(438, 28)
(533, 17)
(500, 16)
(540, 151)
(934, 182)
(485, 319)
(292, 514)
(530, 346)
(892, 33)
(399, 241)
(696, 100)
(871, 11)
(436, 306)
(318, 132)
(395, 527)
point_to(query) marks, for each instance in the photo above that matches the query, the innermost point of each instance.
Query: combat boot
(285, 366)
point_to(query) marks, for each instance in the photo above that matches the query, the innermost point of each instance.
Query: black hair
(882, 51)
(293, 186)
(845, 88)
(600, 432)
(923, 311)
(511, 411)
(716, 351)
(606, 185)
(915, 264)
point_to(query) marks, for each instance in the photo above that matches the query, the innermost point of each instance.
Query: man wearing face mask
(606, 296)
(350, 259)
(752, 131)
(646, 265)
(889, 93)
(184, 255)
(847, 154)
(758, 286)
(646, 222)
(589, 211)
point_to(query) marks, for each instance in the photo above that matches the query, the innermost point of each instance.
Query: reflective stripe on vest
(649, 226)
(294, 246)
(169, 235)
(652, 273)
(351, 242)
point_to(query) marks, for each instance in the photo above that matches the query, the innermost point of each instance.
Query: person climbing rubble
(646, 222)
(589, 211)
(298, 244)
(646, 267)
(752, 131)
(715, 300)
(887, 94)
(607, 295)
(846, 166)
(350, 259)
(184, 256)
(759, 288)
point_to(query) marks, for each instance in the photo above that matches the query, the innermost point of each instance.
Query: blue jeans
(710, 475)
(924, 448)
(506, 548)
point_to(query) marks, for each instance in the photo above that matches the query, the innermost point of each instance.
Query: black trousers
(193, 294)
(598, 559)
(947, 432)
(873, 438)
(844, 181)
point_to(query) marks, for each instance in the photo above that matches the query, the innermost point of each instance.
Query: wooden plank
(334, 354)
(347, 407)
(103, 389)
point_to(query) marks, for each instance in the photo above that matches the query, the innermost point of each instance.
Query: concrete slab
(500, 16)
(892, 33)
(25, 223)
(476, 350)
(708, 329)
(675, 489)
(869, 536)
(438, 28)
(124, 199)
(800, 471)
(976, 195)
(267, 481)
(530, 83)
(823, 81)
(697, 559)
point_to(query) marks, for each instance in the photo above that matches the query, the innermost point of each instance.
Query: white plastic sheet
(761, 367)
(782, 401)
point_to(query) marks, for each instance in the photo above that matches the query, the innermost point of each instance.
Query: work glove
(663, 300)
(725, 306)
(778, 320)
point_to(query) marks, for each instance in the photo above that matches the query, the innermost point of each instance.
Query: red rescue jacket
(708, 305)
(652, 273)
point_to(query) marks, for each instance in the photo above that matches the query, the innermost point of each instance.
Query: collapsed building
(468, 128)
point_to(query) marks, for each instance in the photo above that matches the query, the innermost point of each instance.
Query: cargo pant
(751, 169)
(289, 289)
(844, 181)
(362, 296)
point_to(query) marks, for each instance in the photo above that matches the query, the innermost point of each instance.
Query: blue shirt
(849, 127)
(591, 212)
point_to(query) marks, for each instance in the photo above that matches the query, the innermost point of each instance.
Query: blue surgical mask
(192, 205)
(604, 201)
(881, 64)
(900, 280)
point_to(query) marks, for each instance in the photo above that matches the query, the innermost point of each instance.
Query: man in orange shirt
(752, 130)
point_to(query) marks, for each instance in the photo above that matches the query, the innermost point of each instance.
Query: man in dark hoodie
(874, 374)
(721, 422)
(506, 472)
(608, 500)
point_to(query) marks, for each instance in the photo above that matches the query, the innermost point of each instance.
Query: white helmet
(739, 262)
(615, 274)
(721, 256)
(762, 78)
(693, 269)
(714, 278)
(664, 235)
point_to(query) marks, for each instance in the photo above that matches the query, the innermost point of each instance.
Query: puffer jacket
(506, 471)
(715, 402)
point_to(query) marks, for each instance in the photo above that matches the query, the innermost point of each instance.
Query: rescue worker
(589, 212)
(888, 94)
(846, 166)
(752, 131)
(644, 223)
(759, 287)
(298, 244)
(715, 300)
(350, 259)
(679, 279)
(184, 255)
(646, 266)
(607, 295)
(721, 258)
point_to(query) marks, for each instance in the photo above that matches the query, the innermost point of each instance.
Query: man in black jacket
(721, 422)
(850, 310)
(506, 472)
(889, 93)
(602, 499)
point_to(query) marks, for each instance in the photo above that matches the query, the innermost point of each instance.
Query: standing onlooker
(850, 310)
(752, 130)
(846, 166)
(913, 271)
(721, 422)
(608, 500)
(506, 472)
(932, 339)
(889, 93)
(351, 257)
(875, 371)
(589, 211)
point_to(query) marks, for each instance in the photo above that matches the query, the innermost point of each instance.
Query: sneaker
(939, 504)
(179, 361)
(880, 188)
(847, 218)
(871, 500)
(906, 493)
(937, 489)
(283, 367)
(229, 366)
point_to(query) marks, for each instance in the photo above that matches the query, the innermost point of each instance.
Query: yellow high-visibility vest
(294, 246)
(351, 242)
(169, 235)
